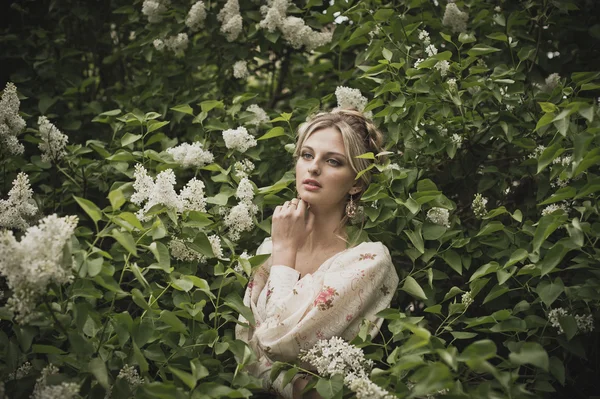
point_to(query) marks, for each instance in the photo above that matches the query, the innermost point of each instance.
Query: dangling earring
(351, 208)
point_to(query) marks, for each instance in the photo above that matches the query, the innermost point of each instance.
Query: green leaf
(172, 320)
(413, 288)
(416, 238)
(184, 376)
(548, 107)
(546, 226)
(480, 350)
(544, 121)
(90, 208)
(129, 138)
(155, 125)
(330, 388)
(481, 49)
(563, 193)
(569, 326)
(287, 377)
(452, 258)
(552, 258)
(490, 228)
(549, 291)
(209, 105)
(98, 369)
(183, 108)
(517, 256)
(47, 349)
(126, 240)
(275, 132)
(531, 353)
(117, 199)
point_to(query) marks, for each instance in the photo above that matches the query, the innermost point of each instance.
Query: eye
(306, 155)
(334, 162)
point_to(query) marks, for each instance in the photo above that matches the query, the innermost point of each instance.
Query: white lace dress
(292, 313)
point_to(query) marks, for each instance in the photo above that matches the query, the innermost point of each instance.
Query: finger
(295, 201)
(301, 207)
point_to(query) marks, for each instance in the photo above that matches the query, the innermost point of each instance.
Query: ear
(357, 188)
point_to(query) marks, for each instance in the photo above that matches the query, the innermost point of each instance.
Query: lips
(311, 182)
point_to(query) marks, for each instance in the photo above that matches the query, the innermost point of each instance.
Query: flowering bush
(144, 146)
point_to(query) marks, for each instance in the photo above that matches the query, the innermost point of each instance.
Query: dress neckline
(329, 259)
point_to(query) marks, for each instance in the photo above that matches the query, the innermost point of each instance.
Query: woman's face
(324, 177)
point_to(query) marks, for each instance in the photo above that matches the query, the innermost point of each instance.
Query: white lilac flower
(337, 357)
(560, 182)
(215, 244)
(65, 390)
(260, 115)
(431, 50)
(38, 259)
(132, 35)
(238, 139)
(442, 66)
(154, 193)
(11, 123)
(367, 389)
(177, 44)
(552, 81)
(231, 20)
(478, 205)
(537, 152)
(114, 35)
(240, 70)
(424, 37)
(180, 251)
(498, 9)
(15, 210)
(451, 84)
(192, 196)
(274, 14)
(153, 9)
(243, 168)
(130, 374)
(439, 216)
(467, 299)
(196, 16)
(585, 323)
(238, 267)
(159, 44)
(239, 219)
(53, 141)
(554, 316)
(245, 190)
(552, 208)
(457, 140)
(393, 166)
(191, 155)
(418, 62)
(23, 371)
(348, 98)
(455, 19)
(564, 161)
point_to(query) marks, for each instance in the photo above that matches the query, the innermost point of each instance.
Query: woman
(313, 286)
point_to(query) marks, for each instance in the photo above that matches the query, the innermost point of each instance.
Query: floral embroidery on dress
(269, 291)
(367, 256)
(324, 300)
(384, 290)
(294, 291)
(319, 334)
(349, 317)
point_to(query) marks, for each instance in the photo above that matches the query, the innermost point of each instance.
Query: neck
(327, 232)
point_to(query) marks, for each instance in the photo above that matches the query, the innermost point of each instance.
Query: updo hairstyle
(359, 135)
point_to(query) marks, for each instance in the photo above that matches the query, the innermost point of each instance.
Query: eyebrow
(327, 153)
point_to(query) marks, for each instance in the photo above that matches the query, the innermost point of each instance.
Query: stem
(58, 323)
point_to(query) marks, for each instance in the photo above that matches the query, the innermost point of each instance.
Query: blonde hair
(359, 135)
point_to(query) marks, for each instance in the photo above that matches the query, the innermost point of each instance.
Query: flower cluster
(196, 16)
(439, 216)
(553, 317)
(65, 390)
(552, 208)
(238, 267)
(240, 70)
(130, 374)
(336, 356)
(243, 168)
(552, 82)
(162, 192)
(18, 206)
(153, 9)
(478, 205)
(565, 161)
(452, 84)
(585, 323)
(348, 98)
(294, 29)
(180, 251)
(177, 44)
(467, 299)
(53, 141)
(456, 140)
(367, 389)
(239, 218)
(22, 371)
(231, 20)
(39, 259)
(455, 19)
(238, 139)
(245, 190)
(191, 155)
(537, 152)
(260, 115)
(11, 123)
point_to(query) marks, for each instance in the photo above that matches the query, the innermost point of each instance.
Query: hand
(292, 223)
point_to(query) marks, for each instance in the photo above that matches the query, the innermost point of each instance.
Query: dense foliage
(487, 197)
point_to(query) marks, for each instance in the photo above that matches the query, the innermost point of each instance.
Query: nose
(314, 169)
